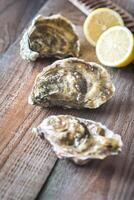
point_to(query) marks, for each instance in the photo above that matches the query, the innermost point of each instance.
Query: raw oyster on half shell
(52, 36)
(79, 139)
(72, 83)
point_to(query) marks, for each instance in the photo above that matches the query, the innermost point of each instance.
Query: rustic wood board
(26, 161)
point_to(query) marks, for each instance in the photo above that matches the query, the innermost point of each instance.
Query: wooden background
(28, 167)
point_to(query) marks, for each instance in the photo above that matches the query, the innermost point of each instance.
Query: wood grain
(24, 161)
(14, 16)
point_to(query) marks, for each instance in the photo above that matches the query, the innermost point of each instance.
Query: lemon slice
(115, 47)
(99, 21)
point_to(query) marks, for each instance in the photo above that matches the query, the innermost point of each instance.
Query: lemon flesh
(99, 21)
(115, 47)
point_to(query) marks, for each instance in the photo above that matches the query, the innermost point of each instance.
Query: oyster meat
(52, 36)
(79, 139)
(72, 83)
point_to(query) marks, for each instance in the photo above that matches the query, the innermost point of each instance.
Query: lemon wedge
(99, 21)
(115, 47)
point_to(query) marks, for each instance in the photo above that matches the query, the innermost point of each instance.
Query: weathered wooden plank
(14, 16)
(22, 158)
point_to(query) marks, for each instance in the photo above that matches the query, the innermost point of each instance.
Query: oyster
(79, 139)
(72, 83)
(52, 36)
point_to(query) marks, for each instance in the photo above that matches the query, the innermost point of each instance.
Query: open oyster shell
(79, 139)
(72, 83)
(52, 36)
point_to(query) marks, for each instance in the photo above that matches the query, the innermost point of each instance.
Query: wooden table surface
(28, 168)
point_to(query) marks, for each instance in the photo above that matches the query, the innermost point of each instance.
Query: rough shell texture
(72, 83)
(79, 139)
(52, 36)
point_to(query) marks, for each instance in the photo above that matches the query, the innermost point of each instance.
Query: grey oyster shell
(72, 83)
(79, 139)
(52, 36)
